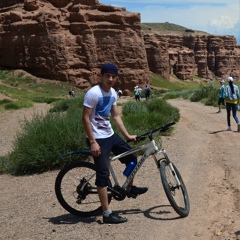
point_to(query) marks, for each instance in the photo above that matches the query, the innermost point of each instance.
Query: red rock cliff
(189, 55)
(69, 40)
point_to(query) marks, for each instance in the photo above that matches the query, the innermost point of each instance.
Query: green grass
(24, 91)
(37, 148)
(38, 145)
(176, 85)
(5, 101)
(163, 27)
(201, 91)
(167, 27)
(18, 105)
(147, 115)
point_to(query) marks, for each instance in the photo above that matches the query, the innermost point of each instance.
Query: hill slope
(168, 28)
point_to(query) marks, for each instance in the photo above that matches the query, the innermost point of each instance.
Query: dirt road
(206, 155)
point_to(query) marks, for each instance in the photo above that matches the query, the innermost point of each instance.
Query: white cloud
(222, 22)
(216, 17)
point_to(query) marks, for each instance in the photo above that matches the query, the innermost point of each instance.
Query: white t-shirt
(101, 103)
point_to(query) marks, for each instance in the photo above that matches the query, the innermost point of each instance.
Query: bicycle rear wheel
(76, 190)
(176, 194)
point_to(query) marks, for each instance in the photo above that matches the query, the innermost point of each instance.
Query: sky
(215, 17)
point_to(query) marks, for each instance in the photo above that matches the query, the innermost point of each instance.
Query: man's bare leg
(103, 196)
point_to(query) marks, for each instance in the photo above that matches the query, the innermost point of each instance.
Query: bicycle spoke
(176, 191)
(176, 194)
(70, 185)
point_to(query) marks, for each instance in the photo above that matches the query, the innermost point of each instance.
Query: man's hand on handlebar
(132, 138)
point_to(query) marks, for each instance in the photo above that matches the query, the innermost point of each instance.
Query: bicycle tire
(76, 199)
(177, 195)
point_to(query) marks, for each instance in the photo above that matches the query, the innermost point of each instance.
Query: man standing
(99, 103)
(147, 92)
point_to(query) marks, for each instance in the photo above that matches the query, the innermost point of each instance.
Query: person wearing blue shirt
(232, 101)
(147, 92)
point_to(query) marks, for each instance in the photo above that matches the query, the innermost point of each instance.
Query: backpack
(136, 92)
(147, 90)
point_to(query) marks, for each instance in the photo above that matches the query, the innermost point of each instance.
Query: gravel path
(206, 155)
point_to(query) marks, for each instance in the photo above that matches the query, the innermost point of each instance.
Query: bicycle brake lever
(141, 138)
(138, 138)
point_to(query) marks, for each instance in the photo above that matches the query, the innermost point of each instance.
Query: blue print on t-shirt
(104, 106)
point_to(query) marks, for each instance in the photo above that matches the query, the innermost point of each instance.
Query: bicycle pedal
(130, 195)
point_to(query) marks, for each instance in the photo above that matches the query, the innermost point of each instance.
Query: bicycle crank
(118, 193)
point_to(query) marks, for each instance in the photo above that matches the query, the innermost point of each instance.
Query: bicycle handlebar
(139, 138)
(149, 133)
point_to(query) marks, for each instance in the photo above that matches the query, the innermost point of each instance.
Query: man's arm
(95, 148)
(120, 125)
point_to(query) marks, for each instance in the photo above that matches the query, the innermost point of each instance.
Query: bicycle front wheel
(176, 193)
(76, 190)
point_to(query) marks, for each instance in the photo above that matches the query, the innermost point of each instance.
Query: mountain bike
(75, 183)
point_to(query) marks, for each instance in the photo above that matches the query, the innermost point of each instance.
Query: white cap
(230, 79)
(222, 81)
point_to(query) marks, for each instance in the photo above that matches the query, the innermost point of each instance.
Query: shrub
(11, 105)
(4, 101)
(143, 116)
(204, 92)
(185, 94)
(64, 105)
(38, 146)
(133, 108)
(47, 100)
(18, 104)
(171, 95)
(4, 74)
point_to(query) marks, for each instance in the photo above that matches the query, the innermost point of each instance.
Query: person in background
(119, 93)
(139, 93)
(221, 96)
(232, 101)
(136, 93)
(71, 93)
(99, 103)
(147, 92)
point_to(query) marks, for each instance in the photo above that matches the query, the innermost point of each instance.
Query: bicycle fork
(168, 162)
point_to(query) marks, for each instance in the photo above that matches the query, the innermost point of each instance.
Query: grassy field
(168, 28)
(21, 90)
(44, 138)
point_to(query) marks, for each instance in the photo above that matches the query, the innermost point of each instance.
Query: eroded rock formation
(205, 56)
(69, 40)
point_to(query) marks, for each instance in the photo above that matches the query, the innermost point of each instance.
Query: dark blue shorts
(221, 101)
(116, 145)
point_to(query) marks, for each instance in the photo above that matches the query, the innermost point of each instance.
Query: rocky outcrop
(69, 40)
(8, 3)
(187, 56)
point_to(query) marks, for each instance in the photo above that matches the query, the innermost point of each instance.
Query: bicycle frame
(151, 149)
